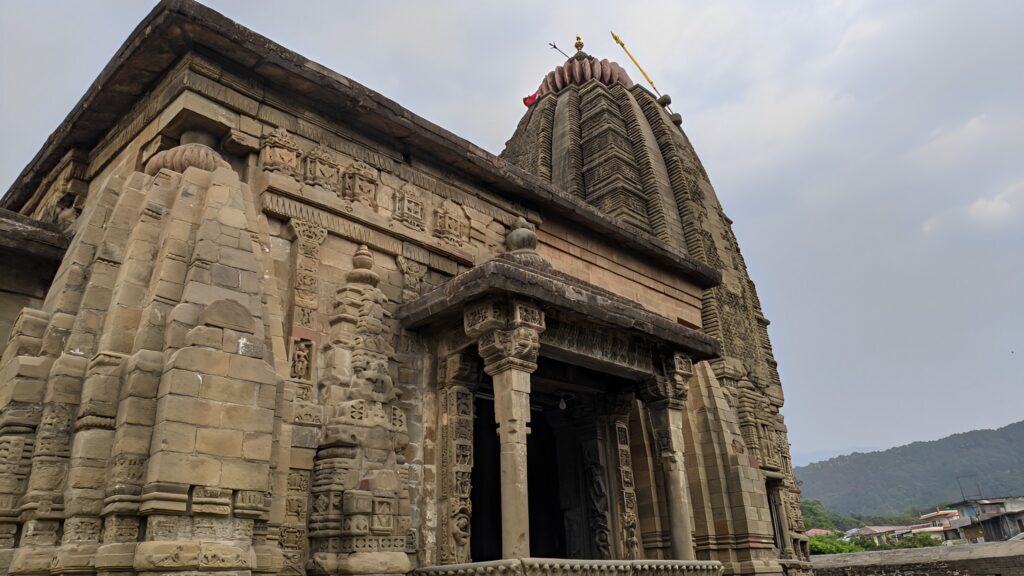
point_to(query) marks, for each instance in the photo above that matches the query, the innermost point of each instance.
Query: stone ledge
(572, 567)
(502, 275)
(23, 235)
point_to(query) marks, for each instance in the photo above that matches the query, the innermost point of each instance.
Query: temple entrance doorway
(549, 476)
(485, 532)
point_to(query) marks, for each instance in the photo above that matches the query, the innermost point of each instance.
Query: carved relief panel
(457, 376)
(359, 185)
(407, 208)
(280, 153)
(320, 169)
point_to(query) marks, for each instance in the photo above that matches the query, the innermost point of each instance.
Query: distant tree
(816, 515)
(832, 544)
(916, 541)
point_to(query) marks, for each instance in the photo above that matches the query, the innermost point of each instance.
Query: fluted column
(508, 337)
(665, 397)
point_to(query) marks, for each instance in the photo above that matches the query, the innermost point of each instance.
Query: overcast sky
(870, 154)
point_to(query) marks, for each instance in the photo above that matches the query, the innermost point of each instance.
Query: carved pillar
(308, 238)
(629, 522)
(602, 424)
(665, 397)
(597, 495)
(456, 379)
(305, 419)
(508, 337)
(777, 499)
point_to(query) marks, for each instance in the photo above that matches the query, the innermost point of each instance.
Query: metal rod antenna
(552, 44)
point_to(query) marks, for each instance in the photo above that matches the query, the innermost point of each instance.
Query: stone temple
(263, 320)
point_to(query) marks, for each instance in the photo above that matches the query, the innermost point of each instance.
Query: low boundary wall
(991, 559)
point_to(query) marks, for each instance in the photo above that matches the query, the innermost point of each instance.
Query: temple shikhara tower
(260, 319)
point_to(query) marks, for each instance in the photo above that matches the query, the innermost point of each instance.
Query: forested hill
(921, 475)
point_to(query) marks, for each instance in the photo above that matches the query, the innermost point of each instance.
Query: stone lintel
(551, 288)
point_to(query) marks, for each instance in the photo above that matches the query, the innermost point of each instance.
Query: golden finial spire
(579, 43)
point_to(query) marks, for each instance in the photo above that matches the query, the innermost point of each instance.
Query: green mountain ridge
(920, 475)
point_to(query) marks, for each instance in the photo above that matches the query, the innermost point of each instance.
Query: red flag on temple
(529, 100)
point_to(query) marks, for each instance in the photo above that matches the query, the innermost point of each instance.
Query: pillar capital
(507, 333)
(670, 384)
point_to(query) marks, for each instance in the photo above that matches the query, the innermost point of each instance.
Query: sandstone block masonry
(284, 326)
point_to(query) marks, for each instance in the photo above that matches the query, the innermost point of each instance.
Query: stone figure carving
(408, 207)
(308, 239)
(280, 153)
(597, 500)
(450, 224)
(359, 184)
(460, 534)
(320, 168)
(301, 357)
(412, 277)
(457, 374)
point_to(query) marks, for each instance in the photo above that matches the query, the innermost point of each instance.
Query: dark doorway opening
(485, 522)
(547, 525)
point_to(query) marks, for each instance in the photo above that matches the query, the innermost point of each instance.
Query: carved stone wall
(212, 385)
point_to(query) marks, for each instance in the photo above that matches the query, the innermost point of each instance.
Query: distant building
(819, 532)
(989, 519)
(880, 534)
(938, 525)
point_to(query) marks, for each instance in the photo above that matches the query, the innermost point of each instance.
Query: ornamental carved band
(507, 333)
(308, 239)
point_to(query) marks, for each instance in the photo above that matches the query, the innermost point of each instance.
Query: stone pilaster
(508, 338)
(456, 380)
(665, 398)
(304, 419)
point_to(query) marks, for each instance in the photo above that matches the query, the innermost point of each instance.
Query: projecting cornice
(505, 276)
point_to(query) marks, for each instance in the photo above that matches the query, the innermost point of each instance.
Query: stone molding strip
(552, 288)
(573, 567)
(175, 27)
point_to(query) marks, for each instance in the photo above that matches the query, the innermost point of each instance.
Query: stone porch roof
(176, 27)
(549, 287)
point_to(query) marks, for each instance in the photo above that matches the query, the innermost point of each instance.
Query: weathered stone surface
(282, 298)
(1005, 558)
